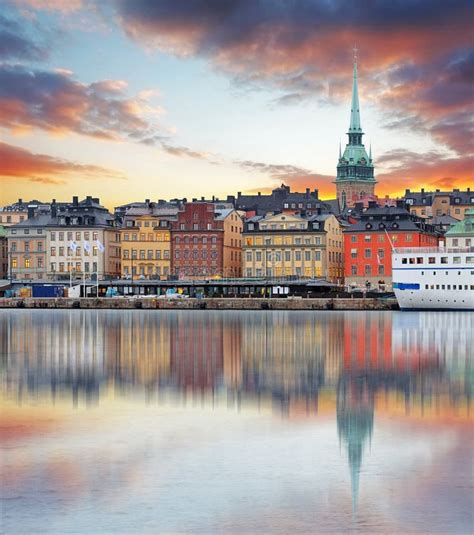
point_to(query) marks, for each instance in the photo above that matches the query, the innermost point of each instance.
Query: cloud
(298, 178)
(15, 45)
(416, 64)
(62, 6)
(21, 164)
(55, 102)
(402, 168)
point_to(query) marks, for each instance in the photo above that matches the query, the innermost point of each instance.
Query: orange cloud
(18, 163)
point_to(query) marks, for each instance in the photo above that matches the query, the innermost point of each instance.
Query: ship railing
(427, 250)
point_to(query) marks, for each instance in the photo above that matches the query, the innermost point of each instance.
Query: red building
(206, 242)
(368, 243)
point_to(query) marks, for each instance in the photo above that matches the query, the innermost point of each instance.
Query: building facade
(369, 242)
(27, 249)
(462, 234)
(355, 170)
(3, 253)
(289, 245)
(82, 238)
(206, 242)
(146, 241)
(435, 204)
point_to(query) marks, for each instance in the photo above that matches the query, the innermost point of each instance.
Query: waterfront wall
(204, 304)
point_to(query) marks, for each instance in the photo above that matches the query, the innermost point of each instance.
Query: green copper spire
(354, 125)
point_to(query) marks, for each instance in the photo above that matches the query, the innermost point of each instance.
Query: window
(52, 267)
(409, 237)
(61, 267)
(381, 269)
(368, 253)
(27, 246)
(258, 256)
(367, 238)
(69, 236)
(142, 254)
(13, 246)
(195, 226)
(381, 253)
(158, 255)
(249, 256)
(431, 260)
(317, 256)
(53, 236)
(126, 254)
(368, 270)
(14, 263)
(353, 239)
(353, 253)
(444, 259)
(456, 260)
(354, 270)
(53, 251)
(27, 262)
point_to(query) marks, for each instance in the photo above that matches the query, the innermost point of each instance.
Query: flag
(378, 260)
(87, 246)
(100, 246)
(73, 246)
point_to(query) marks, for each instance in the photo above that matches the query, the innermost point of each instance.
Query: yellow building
(146, 242)
(287, 244)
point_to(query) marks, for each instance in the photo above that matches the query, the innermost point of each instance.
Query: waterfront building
(146, 240)
(3, 253)
(206, 242)
(462, 233)
(82, 237)
(431, 204)
(355, 169)
(282, 199)
(368, 243)
(27, 248)
(289, 245)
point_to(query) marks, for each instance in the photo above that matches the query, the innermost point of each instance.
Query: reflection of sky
(204, 450)
(198, 470)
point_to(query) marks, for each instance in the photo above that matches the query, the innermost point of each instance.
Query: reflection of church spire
(355, 421)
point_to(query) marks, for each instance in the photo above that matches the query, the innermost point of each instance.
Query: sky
(133, 99)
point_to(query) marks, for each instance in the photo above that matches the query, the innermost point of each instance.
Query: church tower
(355, 170)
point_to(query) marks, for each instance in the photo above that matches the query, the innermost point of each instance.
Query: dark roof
(426, 198)
(392, 218)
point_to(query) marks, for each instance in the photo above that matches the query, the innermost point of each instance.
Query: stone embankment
(203, 304)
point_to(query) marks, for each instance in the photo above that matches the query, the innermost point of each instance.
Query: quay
(212, 303)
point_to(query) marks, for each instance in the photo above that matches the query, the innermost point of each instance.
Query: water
(236, 422)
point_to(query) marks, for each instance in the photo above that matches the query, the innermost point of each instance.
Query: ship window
(449, 286)
(456, 260)
(412, 260)
(404, 260)
(444, 259)
(432, 287)
(454, 286)
(472, 286)
(431, 260)
(443, 286)
(434, 272)
(465, 287)
(419, 260)
(470, 260)
(426, 286)
(437, 286)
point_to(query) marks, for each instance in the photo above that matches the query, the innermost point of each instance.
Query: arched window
(343, 197)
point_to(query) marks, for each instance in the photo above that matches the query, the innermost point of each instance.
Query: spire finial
(340, 155)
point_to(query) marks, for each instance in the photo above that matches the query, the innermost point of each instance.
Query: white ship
(434, 278)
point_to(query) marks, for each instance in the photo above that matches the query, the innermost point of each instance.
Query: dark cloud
(416, 57)
(15, 45)
(18, 163)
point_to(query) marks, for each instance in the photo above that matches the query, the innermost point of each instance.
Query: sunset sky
(127, 99)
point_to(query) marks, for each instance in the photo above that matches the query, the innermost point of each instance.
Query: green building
(462, 234)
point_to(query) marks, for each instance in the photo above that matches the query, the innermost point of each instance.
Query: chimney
(437, 191)
(96, 200)
(468, 189)
(239, 194)
(423, 191)
(147, 202)
(89, 198)
(202, 198)
(456, 190)
(307, 192)
(407, 192)
(31, 212)
(20, 201)
(259, 193)
(316, 193)
(75, 200)
(54, 209)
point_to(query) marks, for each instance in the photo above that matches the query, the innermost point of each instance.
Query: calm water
(236, 422)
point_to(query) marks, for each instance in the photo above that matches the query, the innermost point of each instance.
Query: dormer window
(457, 200)
(251, 226)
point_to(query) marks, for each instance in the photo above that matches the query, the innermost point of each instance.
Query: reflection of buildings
(286, 358)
